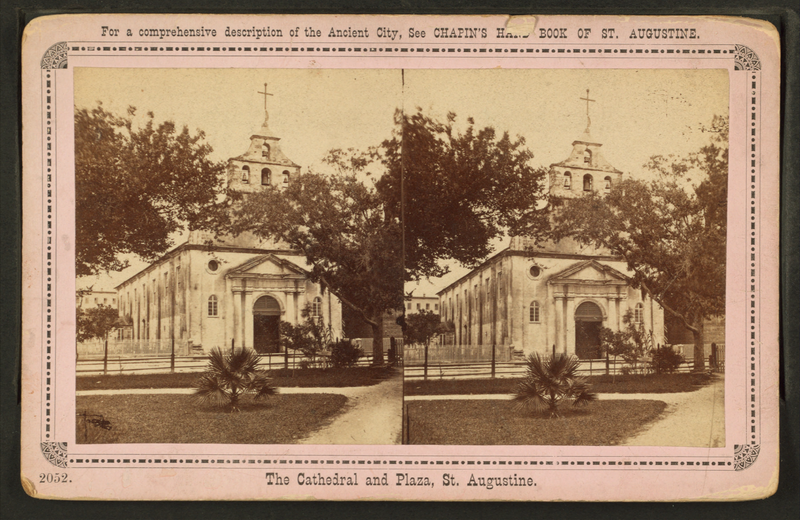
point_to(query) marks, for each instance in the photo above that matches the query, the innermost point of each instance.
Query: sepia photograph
(571, 249)
(472, 258)
(237, 274)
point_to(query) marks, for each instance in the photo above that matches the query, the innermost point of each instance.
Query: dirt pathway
(691, 419)
(373, 415)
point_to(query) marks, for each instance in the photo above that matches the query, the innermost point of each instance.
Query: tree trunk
(377, 340)
(699, 347)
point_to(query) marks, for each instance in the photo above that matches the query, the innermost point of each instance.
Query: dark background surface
(15, 14)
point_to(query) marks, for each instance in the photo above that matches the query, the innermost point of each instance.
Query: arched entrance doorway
(266, 325)
(588, 321)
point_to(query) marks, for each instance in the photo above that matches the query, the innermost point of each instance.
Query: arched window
(213, 307)
(587, 156)
(587, 182)
(534, 312)
(265, 151)
(607, 186)
(285, 176)
(245, 174)
(638, 316)
(266, 177)
(567, 181)
(316, 308)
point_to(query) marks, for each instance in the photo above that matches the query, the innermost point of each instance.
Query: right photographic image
(565, 238)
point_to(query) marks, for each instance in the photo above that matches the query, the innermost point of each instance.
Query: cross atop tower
(587, 99)
(267, 93)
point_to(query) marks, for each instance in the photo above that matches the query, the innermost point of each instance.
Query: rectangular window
(534, 312)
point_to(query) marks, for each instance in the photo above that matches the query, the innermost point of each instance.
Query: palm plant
(231, 376)
(551, 381)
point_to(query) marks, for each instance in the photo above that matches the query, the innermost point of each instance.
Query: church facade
(232, 291)
(552, 298)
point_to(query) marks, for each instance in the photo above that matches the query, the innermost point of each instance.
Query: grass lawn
(602, 423)
(310, 377)
(281, 419)
(631, 384)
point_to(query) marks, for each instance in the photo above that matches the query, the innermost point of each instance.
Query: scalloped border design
(745, 455)
(746, 59)
(55, 453)
(56, 56)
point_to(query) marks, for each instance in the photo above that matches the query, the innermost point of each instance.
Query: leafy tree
(461, 191)
(421, 327)
(338, 222)
(665, 360)
(344, 354)
(456, 191)
(97, 322)
(631, 343)
(310, 337)
(671, 231)
(136, 186)
(230, 376)
(551, 381)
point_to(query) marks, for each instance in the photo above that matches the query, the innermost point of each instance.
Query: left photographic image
(238, 256)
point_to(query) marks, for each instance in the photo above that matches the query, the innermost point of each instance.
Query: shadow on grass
(307, 377)
(492, 422)
(281, 419)
(630, 384)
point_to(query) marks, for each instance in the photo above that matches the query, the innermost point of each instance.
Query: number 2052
(53, 478)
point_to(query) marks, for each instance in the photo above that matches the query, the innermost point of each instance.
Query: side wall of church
(504, 302)
(185, 298)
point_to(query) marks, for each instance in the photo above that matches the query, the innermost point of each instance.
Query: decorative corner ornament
(56, 56)
(55, 453)
(744, 455)
(746, 59)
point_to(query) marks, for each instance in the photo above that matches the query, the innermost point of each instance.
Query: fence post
(172, 357)
(425, 373)
(105, 355)
(493, 357)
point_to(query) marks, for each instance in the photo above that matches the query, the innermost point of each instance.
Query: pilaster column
(238, 329)
(289, 313)
(550, 316)
(228, 313)
(247, 315)
(611, 305)
(570, 326)
(560, 328)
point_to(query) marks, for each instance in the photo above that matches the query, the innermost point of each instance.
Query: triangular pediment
(266, 265)
(589, 271)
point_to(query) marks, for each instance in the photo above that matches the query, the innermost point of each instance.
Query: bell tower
(263, 164)
(585, 170)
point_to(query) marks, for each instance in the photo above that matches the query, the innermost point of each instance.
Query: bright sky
(637, 113)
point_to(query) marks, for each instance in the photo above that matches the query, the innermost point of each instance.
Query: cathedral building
(557, 296)
(232, 291)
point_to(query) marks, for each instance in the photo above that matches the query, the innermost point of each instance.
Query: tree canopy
(136, 186)
(446, 193)
(421, 327)
(97, 322)
(338, 223)
(670, 231)
(455, 191)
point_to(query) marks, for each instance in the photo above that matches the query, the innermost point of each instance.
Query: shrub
(345, 354)
(231, 376)
(550, 381)
(665, 360)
